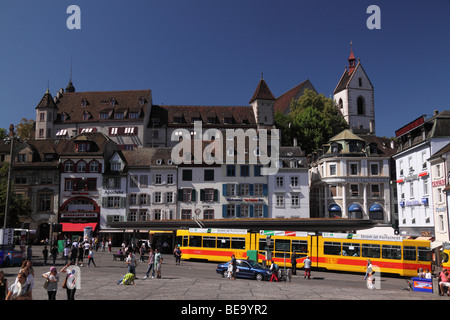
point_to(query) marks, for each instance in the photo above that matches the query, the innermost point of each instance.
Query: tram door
(314, 251)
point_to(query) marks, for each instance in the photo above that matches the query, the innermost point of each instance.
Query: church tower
(354, 97)
(263, 104)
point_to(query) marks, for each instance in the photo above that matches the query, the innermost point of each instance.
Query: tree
(314, 120)
(25, 129)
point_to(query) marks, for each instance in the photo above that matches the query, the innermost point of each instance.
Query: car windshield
(254, 264)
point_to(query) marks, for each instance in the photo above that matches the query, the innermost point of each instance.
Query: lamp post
(8, 189)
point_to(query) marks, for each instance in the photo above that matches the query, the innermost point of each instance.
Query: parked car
(246, 269)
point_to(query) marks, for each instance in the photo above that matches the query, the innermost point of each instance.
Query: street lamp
(9, 140)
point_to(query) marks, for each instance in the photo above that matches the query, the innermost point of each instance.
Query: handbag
(46, 284)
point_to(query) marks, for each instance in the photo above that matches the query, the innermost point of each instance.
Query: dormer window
(116, 166)
(119, 115)
(84, 103)
(86, 116)
(141, 101)
(83, 146)
(113, 102)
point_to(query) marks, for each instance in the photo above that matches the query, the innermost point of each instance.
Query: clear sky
(212, 52)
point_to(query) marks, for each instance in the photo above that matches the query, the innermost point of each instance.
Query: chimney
(436, 112)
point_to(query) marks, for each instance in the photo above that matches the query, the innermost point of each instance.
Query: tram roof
(310, 224)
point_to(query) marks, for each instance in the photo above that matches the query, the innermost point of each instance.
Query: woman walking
(51, 283)
(91, 257)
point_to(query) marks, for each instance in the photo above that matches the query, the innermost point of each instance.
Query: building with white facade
(351, 178)
(288, 189)
(418, 141)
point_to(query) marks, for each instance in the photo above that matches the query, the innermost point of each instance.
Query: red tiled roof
(284, 101)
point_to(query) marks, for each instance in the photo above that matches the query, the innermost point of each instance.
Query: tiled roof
(74, 104)
(284, 101)
(171, 115)
(46, 101)
(262, 92)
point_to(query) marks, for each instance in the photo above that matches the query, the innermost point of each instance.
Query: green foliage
(313, 120)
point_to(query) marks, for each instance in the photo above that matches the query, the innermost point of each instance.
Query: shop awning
(375, 207)
(77, 227)
(354, 207)
(159, 231)
(334, 207)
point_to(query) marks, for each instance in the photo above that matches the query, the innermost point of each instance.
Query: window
(280, 201)
(169, 197)
(295, 200)
(111, 183)
(374, 169)
(157, 198)
(245, 210)
(170, 178)
(133, 181)
(294, 181)
(238, 243)
(354, 190)
(116, 166)
(333, 170)
(391, 252)
(187, 195)
(41, 116)
(244, 189)
(375, 190)
(81, 166)
(187, 175)
(209, 175)
(208, 214)
(259, 210)
(231, 211)
(409, 253)
(208, 195)
(279, 181)
(21, 157)
(113, 202)
(353, 169)
(69, 184)
(360, 105)
(424, 253)
(143, 181)
(231, 189)
(68, 166)
(186, 215)
(143, 198)
(231, 170)
(332, 248)
(245, 170)
(132, 199)
(209, 242)
(351, 249)
(45, 201)
(370, 250)
(259, 189)
(223, 242)
(257, 170)
(94, 166)
(158, 179)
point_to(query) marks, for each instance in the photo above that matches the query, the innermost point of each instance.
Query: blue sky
(212, 52)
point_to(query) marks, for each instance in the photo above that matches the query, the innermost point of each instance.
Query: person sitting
(420, 273)
(274, 268)
(128, 279)
(444, 281)
(427, 274)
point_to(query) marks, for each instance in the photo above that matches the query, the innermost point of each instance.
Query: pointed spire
(262, 91)
(70, 87)
(351, 60)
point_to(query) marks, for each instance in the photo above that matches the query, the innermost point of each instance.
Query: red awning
(77, 227)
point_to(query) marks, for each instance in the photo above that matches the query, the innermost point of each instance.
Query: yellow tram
(331, 251)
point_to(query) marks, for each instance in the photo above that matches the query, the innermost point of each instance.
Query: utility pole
(8, 190)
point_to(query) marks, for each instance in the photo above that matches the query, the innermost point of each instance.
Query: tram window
(282, 245)
(263, 245)
(300, 246)
(370, 250)
(185, 241)
(333, 248)
(409, 253)
(238, 243)
(391, 252)
(223, 242)
(424, 253)
(195, 241)
(351, 249)
(209, 242)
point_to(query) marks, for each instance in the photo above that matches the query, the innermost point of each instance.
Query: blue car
(246, 269)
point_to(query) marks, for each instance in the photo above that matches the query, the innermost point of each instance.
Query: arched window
(341, 105)
(93, 166)
(81, 166)
(360, 105)
(68, 166)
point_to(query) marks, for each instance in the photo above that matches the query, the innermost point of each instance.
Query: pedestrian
(3, 286)
(158, 262)
(66, 253)
(131, 261)
(91, 257)
(151, 261)
(368, 268)
(51, 282)
(294, 263)
(54, 253)
(109, 245)
(274, 268)
(87, 246)
(234, 264)
(20, 290)
(307, 263)
(72, 280)
(45, 255)
(80, 255)
(177, 254)
(74, 253)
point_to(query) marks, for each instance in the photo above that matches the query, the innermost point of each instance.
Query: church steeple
(351, 60)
